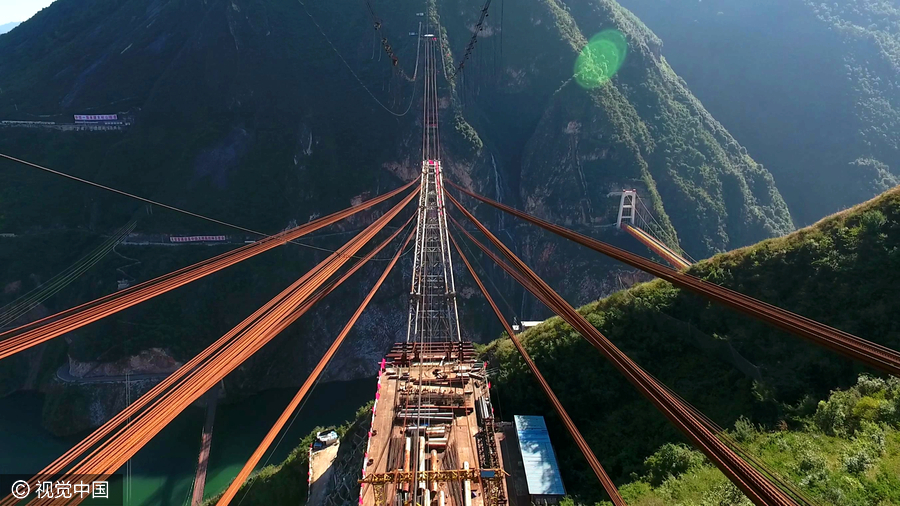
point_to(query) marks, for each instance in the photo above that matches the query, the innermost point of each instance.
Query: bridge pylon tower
(433, 313)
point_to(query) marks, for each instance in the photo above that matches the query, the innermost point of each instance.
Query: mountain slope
(642, 127)
(723, 197)
(556, 150)
(850, 459)
(214, 129)
(839, 271)
(266, 113)
(809, 87)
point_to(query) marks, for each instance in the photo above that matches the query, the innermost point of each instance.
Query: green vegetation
(852, 459)
(847, 453)
(871, 29)
(600, 59)
(664, 140)
(839, 271)
(559, 147)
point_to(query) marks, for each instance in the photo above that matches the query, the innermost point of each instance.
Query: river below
(162, 472)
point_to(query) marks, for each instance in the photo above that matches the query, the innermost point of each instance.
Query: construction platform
(432, 441)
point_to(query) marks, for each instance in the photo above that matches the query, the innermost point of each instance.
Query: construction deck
(432, 441)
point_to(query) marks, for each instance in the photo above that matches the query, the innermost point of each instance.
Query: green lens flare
(600, 59)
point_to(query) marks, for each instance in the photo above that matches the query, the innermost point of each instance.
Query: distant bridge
(65, 127)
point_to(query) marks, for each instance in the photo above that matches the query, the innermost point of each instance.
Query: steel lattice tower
(433, 315)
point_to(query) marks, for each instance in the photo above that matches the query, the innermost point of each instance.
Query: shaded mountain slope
(647, 128)
(214, 130)
(810, 88)
(556, 149)
(245, 111)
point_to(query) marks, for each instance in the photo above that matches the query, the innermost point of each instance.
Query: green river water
(162, 472)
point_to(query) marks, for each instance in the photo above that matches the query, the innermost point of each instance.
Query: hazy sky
(20, 10)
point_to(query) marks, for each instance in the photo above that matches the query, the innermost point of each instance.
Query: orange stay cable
(107, 458)
(32, 334)
(123, 447)
(712, 426)
(178, 376)
(103, 457)
(657, 247)
(307, 385)
(269, 324)
(755, 486)
(640, 382)
(604, 478)
(115, 453)
(873, 354)
(175, 377)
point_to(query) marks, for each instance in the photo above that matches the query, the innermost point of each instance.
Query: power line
(131, 195)
(361, 83)
(22, 305)
(490, 279)
(471, 46)
(160, 204)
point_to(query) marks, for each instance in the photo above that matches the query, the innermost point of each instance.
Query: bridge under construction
(433, 439)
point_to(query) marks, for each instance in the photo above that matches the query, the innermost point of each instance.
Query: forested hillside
(555, 147)
(267, 113)
(847, 453)
(808, 87)
(841, 271)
